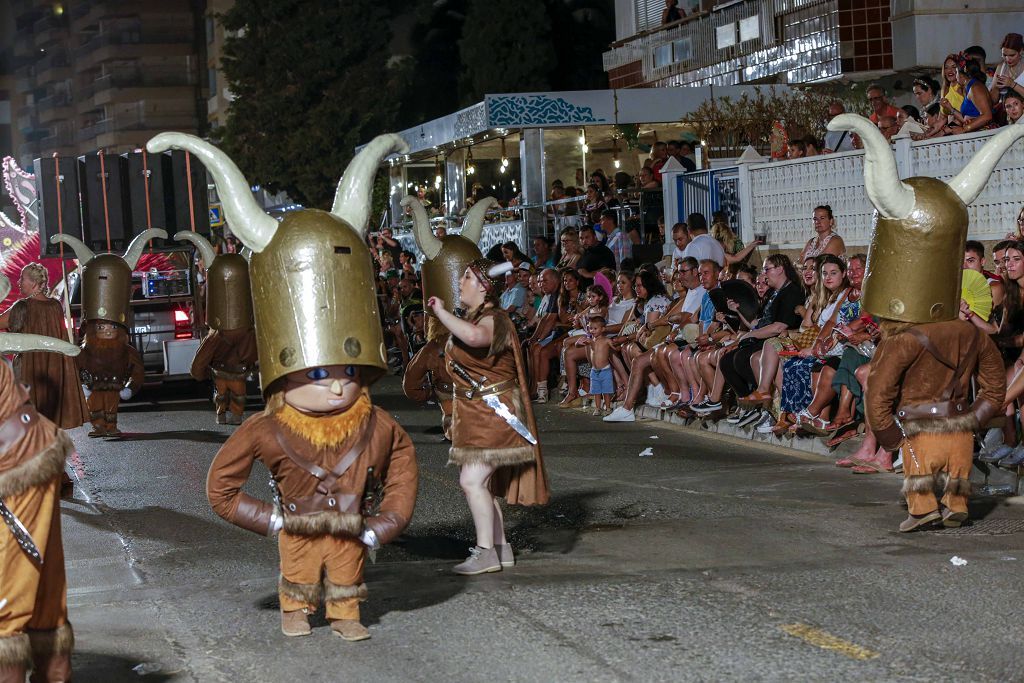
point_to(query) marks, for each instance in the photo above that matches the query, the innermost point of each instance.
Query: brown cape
(53, 382)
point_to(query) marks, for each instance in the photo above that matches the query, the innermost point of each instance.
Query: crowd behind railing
(965, 96)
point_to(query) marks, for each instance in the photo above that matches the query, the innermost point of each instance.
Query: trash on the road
(654, 437)
(647, 452)
(998, 490)
(146, 668)
(957, 561)
(1004, 559)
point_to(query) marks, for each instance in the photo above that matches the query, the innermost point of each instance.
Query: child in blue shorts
(602, 384)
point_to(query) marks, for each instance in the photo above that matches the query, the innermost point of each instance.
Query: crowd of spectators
(782, 348)
(967, 95)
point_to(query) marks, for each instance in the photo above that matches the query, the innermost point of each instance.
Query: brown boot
(112, 429)
(51, 654)
(350, 630)
(295, 623)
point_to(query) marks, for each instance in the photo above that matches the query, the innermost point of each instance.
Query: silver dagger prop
(495, 404)
(21, 534)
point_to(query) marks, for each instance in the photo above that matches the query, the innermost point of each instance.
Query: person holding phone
(1010, 72)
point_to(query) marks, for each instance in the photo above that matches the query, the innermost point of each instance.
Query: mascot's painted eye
(318, 373)
(350, 370)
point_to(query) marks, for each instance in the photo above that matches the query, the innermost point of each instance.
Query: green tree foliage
(506, 47)
(583, 30)
(311, 81)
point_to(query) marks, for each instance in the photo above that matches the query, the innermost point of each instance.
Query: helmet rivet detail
(896, 306)
(287, 356)
(353, 347)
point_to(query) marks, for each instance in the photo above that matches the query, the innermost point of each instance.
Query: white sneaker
(620, 414)
(766, 424)
(656, 396)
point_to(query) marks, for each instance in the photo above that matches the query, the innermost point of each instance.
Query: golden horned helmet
(228, 291)
(107, 278)
(920, 227)
(312, 277)
(447, 257)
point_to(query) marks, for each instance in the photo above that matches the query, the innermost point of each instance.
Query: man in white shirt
(702, 246)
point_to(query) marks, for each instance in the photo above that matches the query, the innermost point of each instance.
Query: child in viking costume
(446, 259)
(34, 628)
(917, 398)
(228, 353)
(345, 471)
(493, 429)
(109, 367)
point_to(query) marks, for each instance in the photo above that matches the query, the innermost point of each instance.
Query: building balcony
(135, 35)
(142, 77)
(749, 41)
(133, 122)
(64, 138)
(49, 29)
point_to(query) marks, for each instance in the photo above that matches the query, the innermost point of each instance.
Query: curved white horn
(969, 183)
(891, 196)
(352, 200)
(5, 286)
(248, 221)
(83, 253)
(500, 269)
(202, 245)
(473, 223)
(425, 240)
(246, 253)
(14, 342)
(134, 252)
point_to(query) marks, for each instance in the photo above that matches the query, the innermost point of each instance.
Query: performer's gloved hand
(125, 393)
(369, 539)
(86, 390)
(276, 524)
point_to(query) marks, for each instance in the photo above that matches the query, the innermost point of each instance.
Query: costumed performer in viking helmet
(917, 391)
(109, 367)
(446, 259)
(34, 629)
(228, 353)
(345, 470)
(52, 378)
(494, 434)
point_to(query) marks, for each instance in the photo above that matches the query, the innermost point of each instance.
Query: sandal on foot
(870, 467)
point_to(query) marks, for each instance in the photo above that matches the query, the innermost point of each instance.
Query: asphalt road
(710, 560)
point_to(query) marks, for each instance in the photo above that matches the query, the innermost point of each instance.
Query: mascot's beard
(328, 430)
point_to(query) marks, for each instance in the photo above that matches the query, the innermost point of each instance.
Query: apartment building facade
(105, 74)
(740, 42)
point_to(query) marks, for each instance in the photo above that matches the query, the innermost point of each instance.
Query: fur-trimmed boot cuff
(957, 486)
(333, 592)
(918, 483)
(15, 652)
(57, 641)
(308, 593)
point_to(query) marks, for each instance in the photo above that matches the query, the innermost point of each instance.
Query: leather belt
(325, 499)
(15, 427)
(489, 390)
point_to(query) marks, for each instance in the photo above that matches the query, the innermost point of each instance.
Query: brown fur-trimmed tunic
(52, 377)
(390, 451)
(904, 373)
(480, 435)
(33, 620)
(230, 353)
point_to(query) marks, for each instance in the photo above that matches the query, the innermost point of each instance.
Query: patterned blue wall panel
(527, 110)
